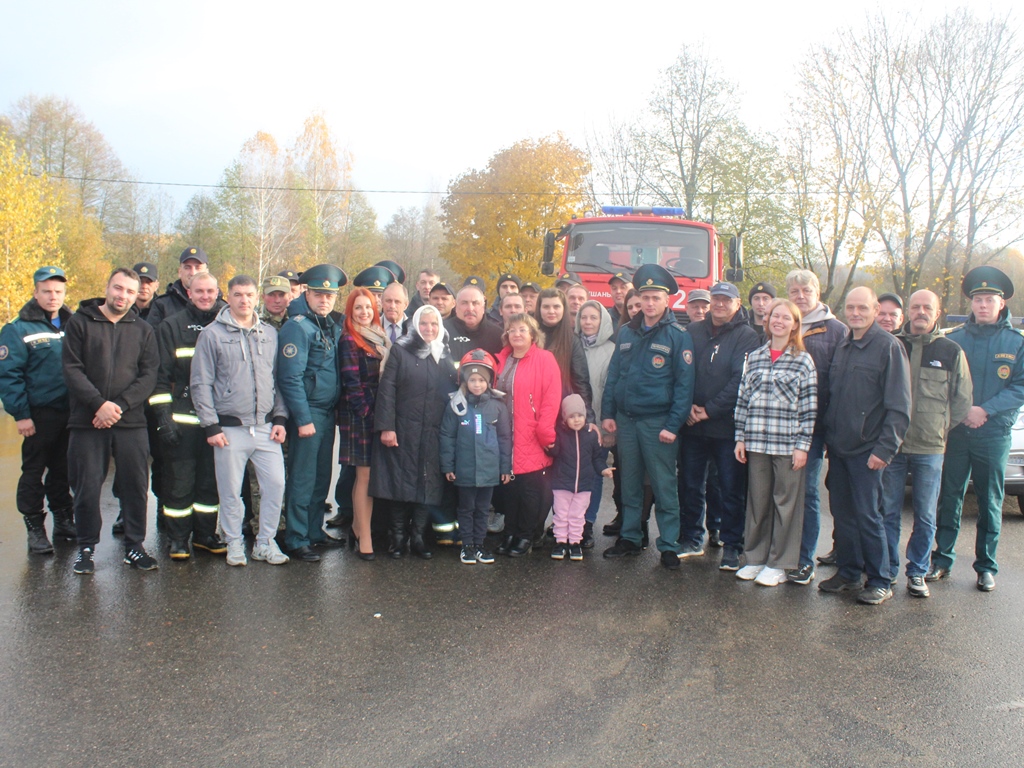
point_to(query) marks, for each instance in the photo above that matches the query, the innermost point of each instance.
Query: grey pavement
(530, 662)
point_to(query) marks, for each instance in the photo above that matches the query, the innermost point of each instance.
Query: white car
(1014, 482)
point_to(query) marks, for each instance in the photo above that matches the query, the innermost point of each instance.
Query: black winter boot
(38, 543)
(420, 522)
(64, 525)
(397, 536)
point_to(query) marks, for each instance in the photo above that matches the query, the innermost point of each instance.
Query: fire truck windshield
(611, 246)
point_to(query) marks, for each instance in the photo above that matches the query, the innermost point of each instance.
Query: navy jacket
(579, 459)
(719, 356)
(477, 444)
(31, 371)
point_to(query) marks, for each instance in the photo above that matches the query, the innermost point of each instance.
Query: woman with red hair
(363, 351)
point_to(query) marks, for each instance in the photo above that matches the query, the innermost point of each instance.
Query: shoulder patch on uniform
(4, 352)
(625, 345)
(661, 348)
(688, 357)
(1003, 372)
(1005, 356)
(299, 318)
(289, 350)
(678, 327)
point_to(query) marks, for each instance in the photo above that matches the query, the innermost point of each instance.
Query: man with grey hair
(467, 327)
(393, 302)
(867, 417)
(821, 335)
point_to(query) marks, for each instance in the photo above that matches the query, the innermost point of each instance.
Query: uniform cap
(324, 278)
(529, 286)
(146, 271)
(655, 277)
(289, 275)
(277, 283)
(474, 281)
(375, 279)
(394, 268)
(49, 273)
(194, 253)
(567, 278)
(620, 276)
(762, 288)
(987, 279)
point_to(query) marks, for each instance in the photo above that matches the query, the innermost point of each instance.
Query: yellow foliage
(28, 228)
(495, 219)
(81, 244)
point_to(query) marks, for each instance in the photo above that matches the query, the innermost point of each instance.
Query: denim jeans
(696, 453)
(927, 479)
(812, 501)
(855, 498)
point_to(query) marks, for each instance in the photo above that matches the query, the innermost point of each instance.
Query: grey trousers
(775, 511)
(244, 445)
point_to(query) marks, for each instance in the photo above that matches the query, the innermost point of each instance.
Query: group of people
(454, 420)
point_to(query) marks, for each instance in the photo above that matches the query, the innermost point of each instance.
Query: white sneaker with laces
(270, 553)
(236, 553)
(770, 577)
(749, 572)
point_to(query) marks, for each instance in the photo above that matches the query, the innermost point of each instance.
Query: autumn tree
(495, 219)
(323, 173)
(414, 237)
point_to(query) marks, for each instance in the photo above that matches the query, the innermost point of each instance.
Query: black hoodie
(109, 361)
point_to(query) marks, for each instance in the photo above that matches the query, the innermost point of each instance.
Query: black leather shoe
(588, 536)
(521, 547)
(506, 545)
(623, 548)
(829, 559)
(614, 527)
(986, 581)
(714, 539)
(338, 521)
(670, 560)
(936, 572)
(304, 553)
(366, 555)
(329, 542)
(117, 529)
(179, 550)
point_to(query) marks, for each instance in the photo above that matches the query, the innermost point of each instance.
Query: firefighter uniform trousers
(189, 494)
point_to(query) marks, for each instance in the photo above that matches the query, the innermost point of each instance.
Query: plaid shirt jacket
(777, 403)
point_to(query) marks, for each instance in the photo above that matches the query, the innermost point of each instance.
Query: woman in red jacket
(532, 382)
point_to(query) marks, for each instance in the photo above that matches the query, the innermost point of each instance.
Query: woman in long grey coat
(411, 398)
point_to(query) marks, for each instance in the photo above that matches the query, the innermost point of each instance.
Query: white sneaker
(270, 553)
(749, 572)
(495, 522)
(236, 553)
(771, 577)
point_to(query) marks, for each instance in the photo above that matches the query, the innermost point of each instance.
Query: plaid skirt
(355, 438)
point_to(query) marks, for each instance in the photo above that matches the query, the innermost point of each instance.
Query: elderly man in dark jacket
(867, 418)
(720, 346)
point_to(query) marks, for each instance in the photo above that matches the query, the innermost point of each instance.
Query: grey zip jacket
(234, 375)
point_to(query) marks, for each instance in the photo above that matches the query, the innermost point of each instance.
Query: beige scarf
(375, 335)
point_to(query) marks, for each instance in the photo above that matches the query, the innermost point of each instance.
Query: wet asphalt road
(523, 663)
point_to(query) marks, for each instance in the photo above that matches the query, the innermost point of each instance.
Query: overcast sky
(418, 92)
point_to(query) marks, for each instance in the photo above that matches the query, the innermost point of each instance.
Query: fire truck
(627, 237)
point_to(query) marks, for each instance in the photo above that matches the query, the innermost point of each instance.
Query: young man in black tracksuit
(110, 363)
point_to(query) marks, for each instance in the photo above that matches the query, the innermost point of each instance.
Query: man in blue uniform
(307, 375)
(980, 445)
(647, 399)
(33, 392)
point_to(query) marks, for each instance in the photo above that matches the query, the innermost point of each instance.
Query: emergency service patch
(661, 348)
(1005, 356)
(658, 361)
(688, 357)
(1003, 372)
(625, 345)
(4, 351)
(290, 350)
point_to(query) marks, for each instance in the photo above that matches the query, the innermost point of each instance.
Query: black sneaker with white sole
(137, 558)
(802, 575)
(918, 587)
(84, 564)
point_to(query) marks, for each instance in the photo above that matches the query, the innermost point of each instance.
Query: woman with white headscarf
(411, 398)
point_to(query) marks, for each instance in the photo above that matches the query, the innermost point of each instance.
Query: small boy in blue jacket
(476, 449)
(579, 460)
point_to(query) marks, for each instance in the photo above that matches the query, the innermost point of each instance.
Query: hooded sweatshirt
(599, 352)
(821, 334)
(233, 378)
(105, 361)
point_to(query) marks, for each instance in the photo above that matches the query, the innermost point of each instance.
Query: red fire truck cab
(625, 238)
